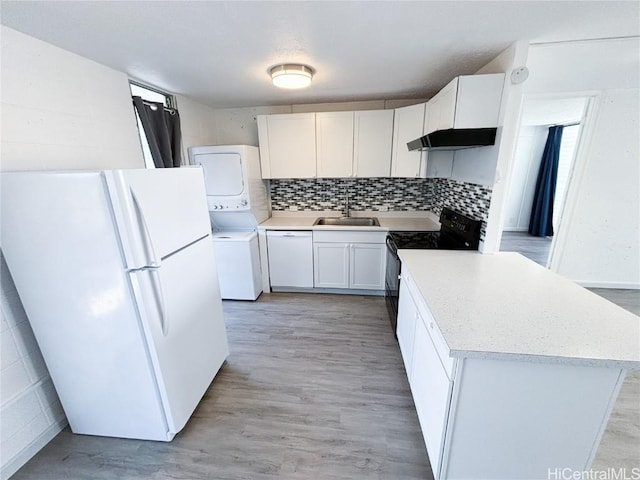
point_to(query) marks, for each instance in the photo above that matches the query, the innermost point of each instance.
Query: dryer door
(222, 173)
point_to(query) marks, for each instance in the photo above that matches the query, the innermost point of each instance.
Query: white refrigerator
(116, 272)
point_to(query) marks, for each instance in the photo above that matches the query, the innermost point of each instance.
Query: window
(151, 95)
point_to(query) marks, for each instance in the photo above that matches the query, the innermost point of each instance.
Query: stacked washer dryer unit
(238, 202)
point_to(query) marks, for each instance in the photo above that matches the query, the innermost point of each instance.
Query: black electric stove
(457, 232)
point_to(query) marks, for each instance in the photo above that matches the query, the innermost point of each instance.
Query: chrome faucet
(347, 213)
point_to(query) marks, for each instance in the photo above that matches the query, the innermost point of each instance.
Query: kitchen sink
(348, 221)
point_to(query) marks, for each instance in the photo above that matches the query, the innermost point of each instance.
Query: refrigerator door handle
(146, 238)
(159, 294)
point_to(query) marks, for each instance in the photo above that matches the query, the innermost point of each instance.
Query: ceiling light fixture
(291, 75)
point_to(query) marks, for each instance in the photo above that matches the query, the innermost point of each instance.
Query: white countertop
(398, 221)
(505, 306)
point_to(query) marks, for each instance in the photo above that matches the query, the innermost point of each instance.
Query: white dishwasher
(290, 258)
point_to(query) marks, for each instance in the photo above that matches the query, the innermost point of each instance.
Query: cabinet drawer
(432, 327)
(349, 236)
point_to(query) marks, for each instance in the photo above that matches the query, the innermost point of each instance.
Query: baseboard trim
(338, 291)
(613, 285)
(22, 457)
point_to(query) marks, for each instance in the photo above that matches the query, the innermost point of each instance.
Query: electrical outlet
(383, 208)
(293, 208)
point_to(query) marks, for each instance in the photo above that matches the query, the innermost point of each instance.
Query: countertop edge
(306, 221)
(548, 359)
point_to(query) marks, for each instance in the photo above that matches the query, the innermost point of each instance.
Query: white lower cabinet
(331, 265)
(431, 388)
(406, 329)
(345, 259)
(367, 266)
(430, 384)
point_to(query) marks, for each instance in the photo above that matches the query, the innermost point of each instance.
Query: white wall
(598, 242)
(62, 111)
(197, 124)
(527, 159)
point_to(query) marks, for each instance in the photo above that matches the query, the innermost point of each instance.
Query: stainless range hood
(455, 139)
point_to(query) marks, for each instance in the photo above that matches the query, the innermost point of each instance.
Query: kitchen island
(513, 369)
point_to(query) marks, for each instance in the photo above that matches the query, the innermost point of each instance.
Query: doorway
(538, 114)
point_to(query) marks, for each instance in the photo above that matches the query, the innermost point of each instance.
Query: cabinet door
(405, 330)
(430, 387)
(291, 145)
(331, 265)
(373, 139)
(367, 265)
(478, 100)
(334, 144)
(290, 259)
(407, 126)
(442, 108)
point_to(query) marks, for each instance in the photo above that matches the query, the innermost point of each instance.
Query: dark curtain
(162, 129)
(541, 220)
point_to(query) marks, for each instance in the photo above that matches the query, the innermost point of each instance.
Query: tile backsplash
(397, 194)
(315, 194)
(468, 198)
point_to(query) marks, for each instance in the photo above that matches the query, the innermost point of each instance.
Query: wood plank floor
(314, 389)
(620, 446)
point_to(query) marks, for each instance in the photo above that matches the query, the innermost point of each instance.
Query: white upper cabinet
(334, 144)
(373, 143)
(408, 125)
(373, 138)
(468, 101)
(287, 145)
(442, 108)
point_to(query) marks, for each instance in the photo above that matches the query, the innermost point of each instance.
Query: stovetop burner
(457, 232)
(415, 239)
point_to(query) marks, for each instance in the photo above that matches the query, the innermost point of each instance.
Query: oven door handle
(392, 246)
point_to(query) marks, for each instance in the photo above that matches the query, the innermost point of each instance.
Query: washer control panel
(230, 204)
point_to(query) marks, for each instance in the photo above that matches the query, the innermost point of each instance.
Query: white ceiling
(219, 52)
